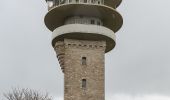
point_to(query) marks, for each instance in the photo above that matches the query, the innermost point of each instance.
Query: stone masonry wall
(92, 71)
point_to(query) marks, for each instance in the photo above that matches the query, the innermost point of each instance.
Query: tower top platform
(110, 17)
(111, 3)
(92, 20)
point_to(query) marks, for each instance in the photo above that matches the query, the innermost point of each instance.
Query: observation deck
(79, 31)
(112, 3)
(84, 19)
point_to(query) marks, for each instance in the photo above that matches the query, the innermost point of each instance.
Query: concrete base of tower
(85, 32)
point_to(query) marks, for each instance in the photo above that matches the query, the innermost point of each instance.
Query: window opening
(98, 23)
(84, 60)
(92, 21)
(57, 2)
(77, 1)
(84, 83)
(70, 0)
(62, 1)
(92, 1)
(98, 2)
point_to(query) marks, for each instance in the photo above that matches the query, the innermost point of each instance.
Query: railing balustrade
(54, 3)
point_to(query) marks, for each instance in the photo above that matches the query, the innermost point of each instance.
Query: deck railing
(54, 3)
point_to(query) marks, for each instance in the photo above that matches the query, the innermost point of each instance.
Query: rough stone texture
(60, 51)
(74, 71)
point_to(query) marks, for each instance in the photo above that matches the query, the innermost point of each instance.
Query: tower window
(70, 0)
(84, 61)
(98, 2)
(92, 1)
(92, 21)
(98, 23)
(77, 1)
(84, 83)
(62, 1)
(56, 2)
(85, 1)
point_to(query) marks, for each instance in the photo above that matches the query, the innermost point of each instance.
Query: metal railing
(54, 3)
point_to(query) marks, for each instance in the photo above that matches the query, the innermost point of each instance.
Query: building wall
(92, 71)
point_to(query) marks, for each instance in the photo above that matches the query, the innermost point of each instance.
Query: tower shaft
(83, 66)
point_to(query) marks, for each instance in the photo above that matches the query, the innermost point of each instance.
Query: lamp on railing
(50, 3)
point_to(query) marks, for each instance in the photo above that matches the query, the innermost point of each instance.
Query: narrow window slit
(84, 60)
(84, 83)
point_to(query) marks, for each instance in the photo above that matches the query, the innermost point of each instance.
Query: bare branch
(26, 94)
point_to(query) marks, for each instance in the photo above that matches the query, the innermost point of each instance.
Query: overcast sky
(137, 69)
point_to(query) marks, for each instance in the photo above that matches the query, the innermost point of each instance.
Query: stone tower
(83, 31)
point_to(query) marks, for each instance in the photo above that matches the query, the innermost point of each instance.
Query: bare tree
(26, 94)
